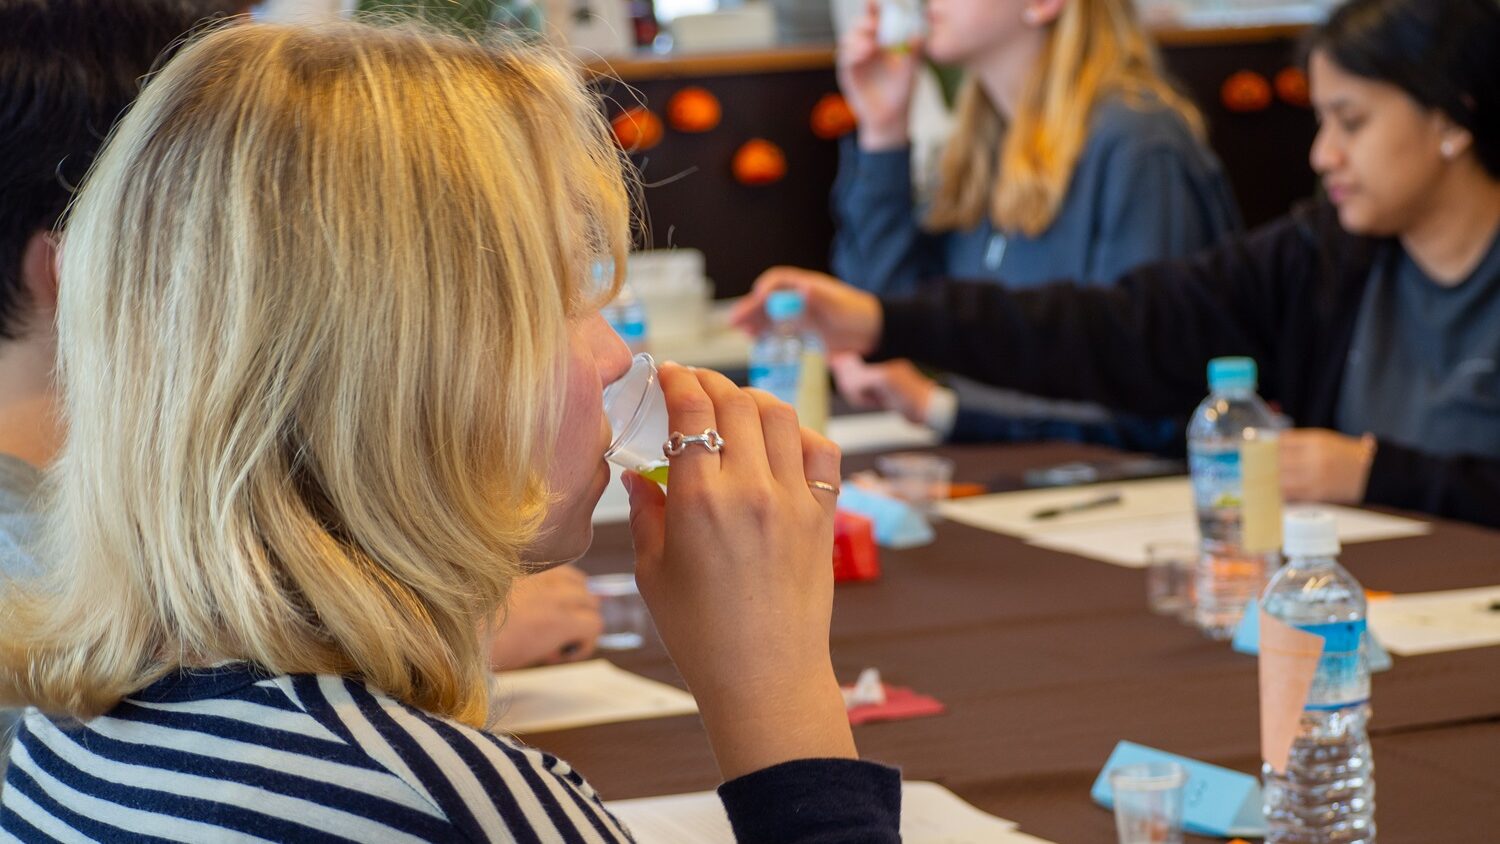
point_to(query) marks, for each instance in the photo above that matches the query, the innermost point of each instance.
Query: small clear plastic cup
(1148, 802)
(625, 619)
(901, 22)
(1170, 570)
(637, 412)
(918, 478)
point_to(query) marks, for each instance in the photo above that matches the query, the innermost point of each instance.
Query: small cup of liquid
(637, 412)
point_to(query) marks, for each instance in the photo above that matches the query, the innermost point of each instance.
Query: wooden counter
(648, 66)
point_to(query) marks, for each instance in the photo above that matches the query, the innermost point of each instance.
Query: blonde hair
(1020, 173)
(312, 327)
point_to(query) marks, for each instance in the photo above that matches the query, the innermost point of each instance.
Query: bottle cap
(784, 305)
(1232, 374)
(1309, 532)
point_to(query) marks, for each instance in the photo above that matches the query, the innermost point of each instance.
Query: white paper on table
(930, 814)
(1013, 513)
(861, 433)
(560, 697)
(1155, 510)
(1124, 543)
(1430, 622)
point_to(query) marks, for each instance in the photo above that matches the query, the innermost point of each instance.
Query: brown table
(1045, 660)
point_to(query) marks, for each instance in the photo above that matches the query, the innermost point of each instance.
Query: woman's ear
(40, 269)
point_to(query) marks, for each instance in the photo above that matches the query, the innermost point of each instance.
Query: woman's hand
(736, 565)
(552, 618)
(849, 319)
(1326, 466)
(878, 83)
(897, 385)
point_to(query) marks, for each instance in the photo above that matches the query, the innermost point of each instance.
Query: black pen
(1088, 504)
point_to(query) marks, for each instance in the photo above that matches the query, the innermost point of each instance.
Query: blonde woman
(1374, 313)
(333, 379)
(1072, 157)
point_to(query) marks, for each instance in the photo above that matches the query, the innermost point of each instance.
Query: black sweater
(1287, 295)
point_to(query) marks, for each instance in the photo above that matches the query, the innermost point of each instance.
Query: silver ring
(824, 486)
(676, 444)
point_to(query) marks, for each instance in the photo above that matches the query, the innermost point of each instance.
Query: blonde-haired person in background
(332, 371)
(1072, 156)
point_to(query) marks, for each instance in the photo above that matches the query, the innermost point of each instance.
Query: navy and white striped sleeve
(490, 787)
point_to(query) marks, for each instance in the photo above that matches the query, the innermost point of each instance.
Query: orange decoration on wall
(759, 162)
(832, 118)
(637, 129)
(694, 110)
(1246, 91)
(1291, 87)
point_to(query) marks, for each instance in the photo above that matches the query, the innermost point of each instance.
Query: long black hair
(1445, 54)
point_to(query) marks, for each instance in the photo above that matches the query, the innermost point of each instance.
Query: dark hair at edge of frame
(1445, 54)
(68, 71)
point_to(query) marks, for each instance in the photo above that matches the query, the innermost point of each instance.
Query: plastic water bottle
(1326, 795)
(1233, 458)
(626, 314)
(789, 361)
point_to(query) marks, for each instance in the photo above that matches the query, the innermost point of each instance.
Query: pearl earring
(1448, 149)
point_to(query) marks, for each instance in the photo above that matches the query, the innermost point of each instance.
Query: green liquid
(656, 474)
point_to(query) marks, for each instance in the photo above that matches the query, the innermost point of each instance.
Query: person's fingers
(648, 520)
(749, 314)
(856, 393)
(862, 387)
(821, 462)
(783, 438)
(581, 650)
(690, 412)
(738, 422)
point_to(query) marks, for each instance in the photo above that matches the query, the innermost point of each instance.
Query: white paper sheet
(560, 697)
(1157, 510)
(1013, 513)
(861, 433)
(930, 814)
(1430, 622)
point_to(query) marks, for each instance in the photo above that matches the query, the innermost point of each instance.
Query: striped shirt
(231, 754)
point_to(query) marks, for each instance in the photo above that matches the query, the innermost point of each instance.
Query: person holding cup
(1372, 312)
(1072, 156)
(333, 371)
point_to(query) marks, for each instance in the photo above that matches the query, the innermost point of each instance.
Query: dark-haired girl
(1374, 313)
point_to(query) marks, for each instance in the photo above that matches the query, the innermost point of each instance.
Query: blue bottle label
(1217, 478)
(779, 379)
(1343, 677)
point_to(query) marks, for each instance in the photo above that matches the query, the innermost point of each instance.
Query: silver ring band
(823, 486)
(676, 444)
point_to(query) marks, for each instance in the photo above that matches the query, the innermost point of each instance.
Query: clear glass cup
(637, 412)
(918, 478)
(1170, 570)
(1148, 802)
(625, 618)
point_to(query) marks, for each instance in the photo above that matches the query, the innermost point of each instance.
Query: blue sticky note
(1247, 635)
(1247, 640)
(897, 525)
(1215, 801)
